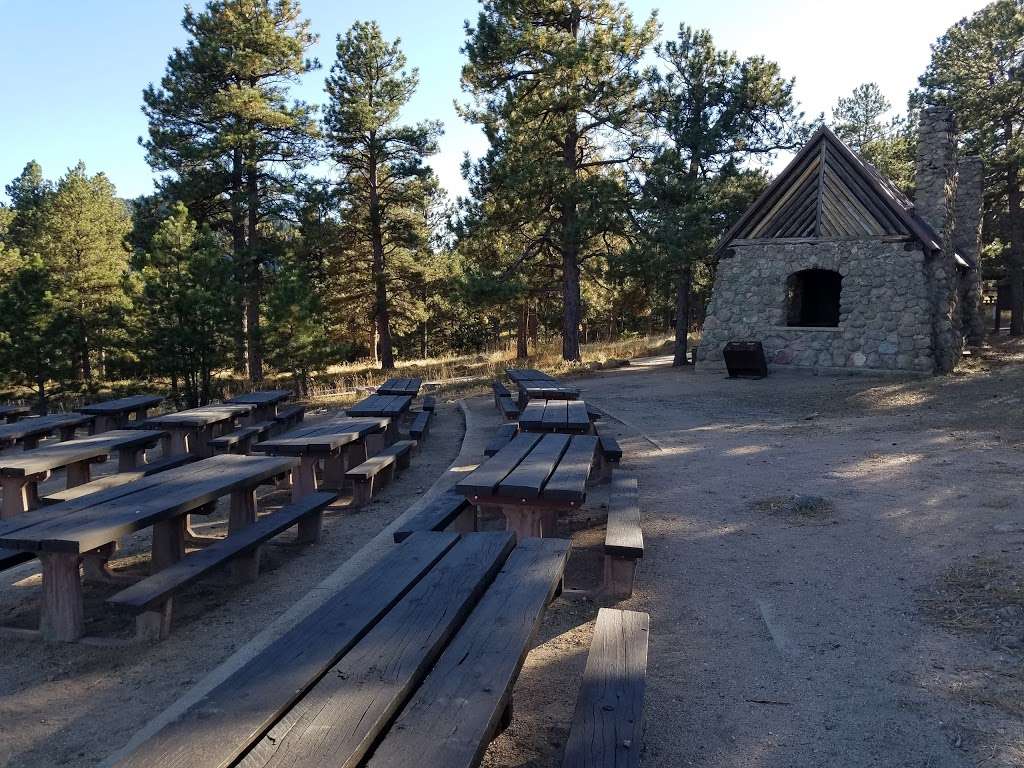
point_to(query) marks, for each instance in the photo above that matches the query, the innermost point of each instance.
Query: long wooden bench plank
(532, 415)
(528, 478)
(555, 414)
(624, 536)
(569, 480)
(429, 403)
(155, 589)
(437, 515)
(610, 448)
(336, 723)
(483, 480)
(576, 416)
(607, 727)
(420, 425)
(219, 727)
(508, 408)
(71, 451)
(118, 479)
(454, 714)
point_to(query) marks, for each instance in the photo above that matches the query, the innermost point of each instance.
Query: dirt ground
(833, 573)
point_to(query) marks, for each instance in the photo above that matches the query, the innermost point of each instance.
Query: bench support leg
(67, 433)
(304, 477)
(30, 443)
(244, 567)
(168, 543)
(335, 467)
(104, 424)
(618, 576)
(362, 492)
(129, 459)
(61, 618)
(78, 473)
(17, 496)
(154, 625)
(374, 444)
(527, 522)
(309, 527)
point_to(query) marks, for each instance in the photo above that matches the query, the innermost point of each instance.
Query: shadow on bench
(121, 478)
(501, 438)
(151, 598)
(607, 727)
(449, 508)
(378, 470)
(624, 539)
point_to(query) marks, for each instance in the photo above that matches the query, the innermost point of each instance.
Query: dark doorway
(812, 298)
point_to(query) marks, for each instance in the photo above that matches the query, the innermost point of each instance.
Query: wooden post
(168, 543)
(619, 573)
(374, 444)
(244, 567)
(78, 473)
(61, 617)
(67, 433)
(180, 439)
(129, 459)
(30, 442)
(94, 564)
(335, 467)
(303, 483)
(527, 522)
(16, 498)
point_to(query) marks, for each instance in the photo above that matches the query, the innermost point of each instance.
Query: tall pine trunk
(522, 331)
(381, 314)
(570, 249)
(254, 341)
(240, 255)
(1016, 250)
(683, 282)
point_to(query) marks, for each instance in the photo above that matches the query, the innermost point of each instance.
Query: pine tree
(222, 124)
(716, 112)
(556, 86)
(977, 71)
(385, 184)
(888, 143)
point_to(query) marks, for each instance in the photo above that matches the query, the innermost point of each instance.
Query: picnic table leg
(246, 567)
(527, 522)
(200, 442)
(374, 444)
(17, 496)
(179, 442)
(129, 459)
(103, 424)
(30, 443)
(303, 483)
(168, 548)
(67, 433)
(95, 567)
(335, 467)
(78, 473)
(61, 616)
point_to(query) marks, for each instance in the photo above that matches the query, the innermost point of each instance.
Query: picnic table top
(534, 468)
(381, 405)
(404, 652)
(72, 451)
(14, 410)
(548, 390)
(322, 438)
(41, 425)
(400, 387)
(101, 518)
(121, 405)
(555, 416)
(266, 397)
(527, 374)
(200, 417)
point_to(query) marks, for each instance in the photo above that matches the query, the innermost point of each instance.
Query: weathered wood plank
(624, 537)
(453, 715)
(483, 480)
(218, 728)
(607, 727)
(569, 480)
(437, 515)
(528, 478)
(555, 414)
(59, 455)
(336, 723)
(502, 435)
(532, 416)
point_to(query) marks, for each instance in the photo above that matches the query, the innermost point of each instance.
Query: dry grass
(985, 596)
(343, 384)
(797, 509)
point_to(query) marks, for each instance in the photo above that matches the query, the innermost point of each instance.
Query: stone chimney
(970, 186)
(933, 201)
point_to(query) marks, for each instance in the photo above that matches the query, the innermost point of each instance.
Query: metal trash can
(745, 359)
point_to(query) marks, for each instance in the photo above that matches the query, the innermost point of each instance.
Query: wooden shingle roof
(827, 192)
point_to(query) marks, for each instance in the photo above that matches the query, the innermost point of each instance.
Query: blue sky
(73, 70)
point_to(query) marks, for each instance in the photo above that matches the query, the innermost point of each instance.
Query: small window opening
(812, 298)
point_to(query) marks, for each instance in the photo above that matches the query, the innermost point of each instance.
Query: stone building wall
(885, 306)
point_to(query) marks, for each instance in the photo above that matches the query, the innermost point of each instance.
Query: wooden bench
(378, 470)
(501, 438)
(241, 440)
(429, 403)
(594, 413)
(447, 509)
(607, 728)
(420, 425)
(289, 416)
(121, 478)
(151, 598)
(624, 539)
(610, 457)
(508, 408)
(500, 391)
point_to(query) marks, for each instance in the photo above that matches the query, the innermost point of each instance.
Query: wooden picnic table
(11, 413)
(340, 443)
(412, 663)
(409, 387)
(20, 474)
(517, 375)
(545, 390)
(33, 429)
(191, 430)
(392, 406)
(116, 414)
(532, 479)
(266, 402)
(62, 534)
(567, 416)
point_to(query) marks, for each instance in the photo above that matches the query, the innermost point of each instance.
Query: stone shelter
(834, 267)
